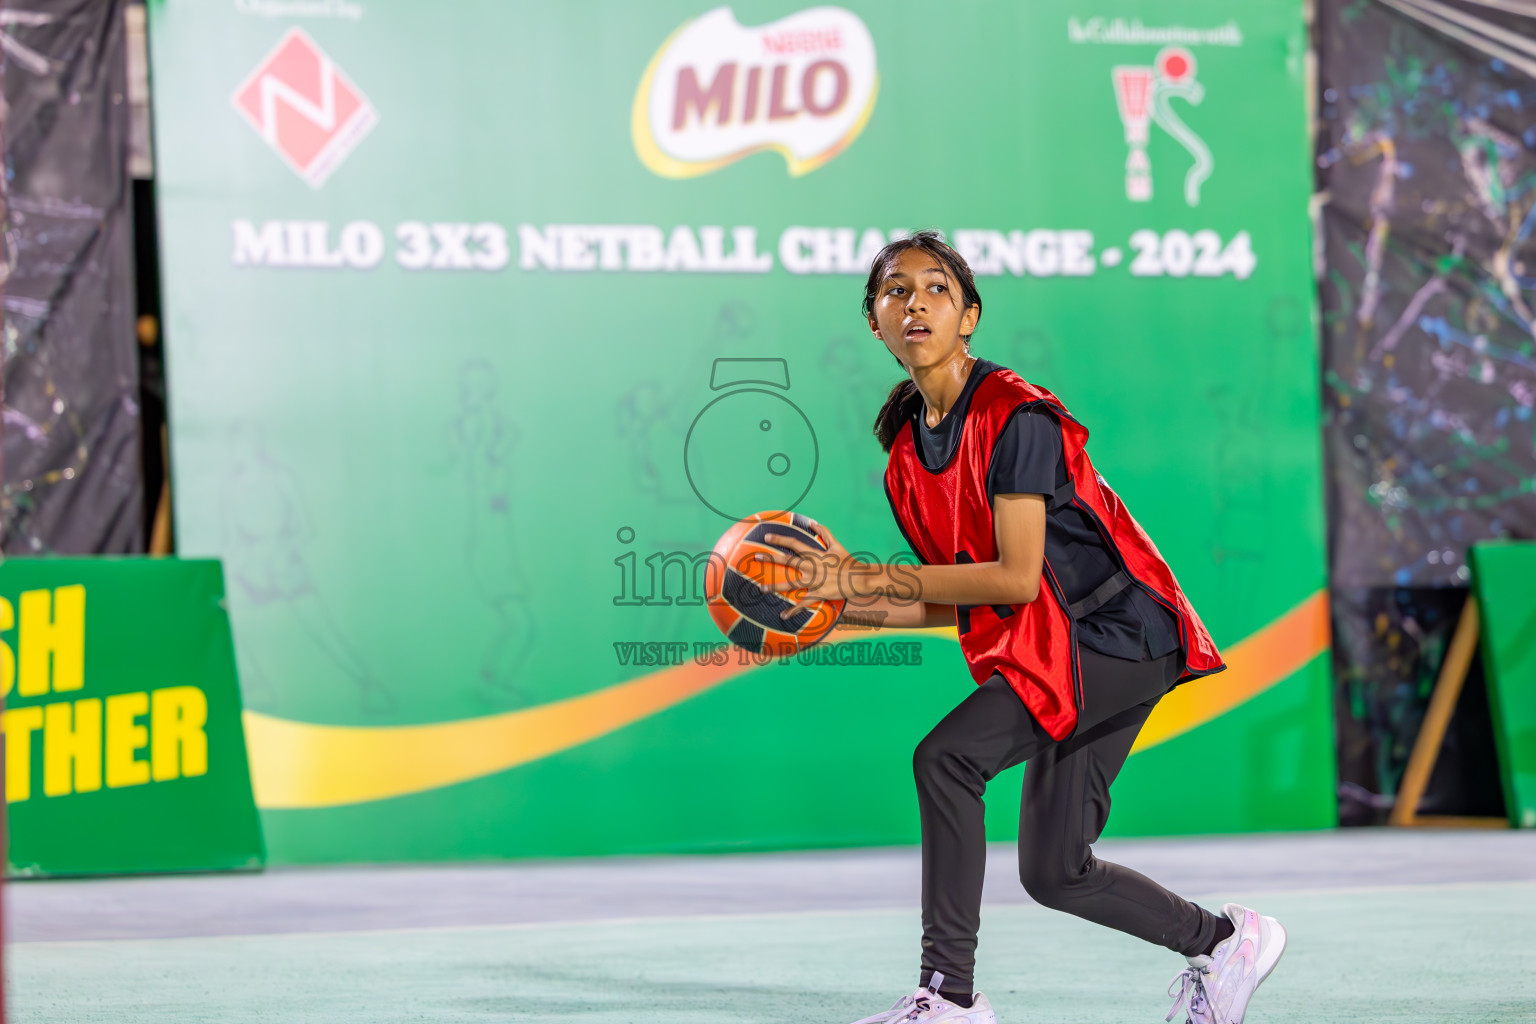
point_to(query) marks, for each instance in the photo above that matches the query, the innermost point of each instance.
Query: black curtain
(72, 475)
(1427, 164)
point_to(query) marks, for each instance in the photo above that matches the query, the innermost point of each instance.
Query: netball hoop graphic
(752, 448)
(1142, 95)
(1133, 94)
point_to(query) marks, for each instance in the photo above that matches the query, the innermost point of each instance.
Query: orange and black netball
(750, 617)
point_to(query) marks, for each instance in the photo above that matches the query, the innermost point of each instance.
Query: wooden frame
(1426, 748)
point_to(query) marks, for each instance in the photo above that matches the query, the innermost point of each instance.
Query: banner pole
(1442, 704)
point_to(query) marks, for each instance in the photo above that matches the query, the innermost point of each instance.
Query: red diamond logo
(305, 107)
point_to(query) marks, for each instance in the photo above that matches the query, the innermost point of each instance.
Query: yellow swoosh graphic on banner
(1254, 664)
(303, 765)
(297, 764)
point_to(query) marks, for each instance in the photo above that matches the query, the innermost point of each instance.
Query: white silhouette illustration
(484, 440)
(267, 533)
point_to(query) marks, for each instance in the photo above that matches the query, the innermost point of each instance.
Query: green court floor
(1436, 952)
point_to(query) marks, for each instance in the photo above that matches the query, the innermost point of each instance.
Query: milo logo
(717, 90)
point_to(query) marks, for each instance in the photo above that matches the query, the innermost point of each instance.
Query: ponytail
(903, 403)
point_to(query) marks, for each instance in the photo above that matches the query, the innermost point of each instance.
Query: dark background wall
(1427, 172)
(72, 474)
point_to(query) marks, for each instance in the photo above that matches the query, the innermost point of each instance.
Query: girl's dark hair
(904, 401)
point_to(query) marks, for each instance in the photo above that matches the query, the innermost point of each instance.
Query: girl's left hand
(823, 575)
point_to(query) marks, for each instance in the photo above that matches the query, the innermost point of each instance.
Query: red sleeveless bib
(947, 519)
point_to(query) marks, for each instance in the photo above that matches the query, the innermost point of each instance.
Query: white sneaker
(897, 1011)
(1215, 989)
(926, 1006)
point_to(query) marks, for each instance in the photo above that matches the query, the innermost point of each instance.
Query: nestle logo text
(807, 41)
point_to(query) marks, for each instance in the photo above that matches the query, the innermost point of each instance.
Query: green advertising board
(123, 742)
(483, 323)
(1502, 578)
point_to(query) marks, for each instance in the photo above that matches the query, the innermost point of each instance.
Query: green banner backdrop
(123, 741)
(1502, 575)
(483, 323)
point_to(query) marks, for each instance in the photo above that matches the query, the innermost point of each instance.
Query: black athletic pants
(1065, 806)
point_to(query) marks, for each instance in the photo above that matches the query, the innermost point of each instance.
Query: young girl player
(1070, 621)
